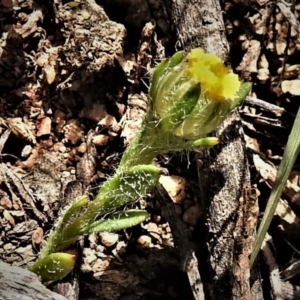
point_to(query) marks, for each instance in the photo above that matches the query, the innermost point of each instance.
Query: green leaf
(241, 94)
(183, 102)
(127, 186)
(55, 236)
(205, 142)
(157, 73)
(72, 4)
(205, 117)
(121, 189)
(54, 266)
(164, 80)
(78, 203)
(176, 59)
(289, 157)
(117, 221)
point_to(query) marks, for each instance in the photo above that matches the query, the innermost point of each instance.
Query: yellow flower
(192, 94)
(218, 82)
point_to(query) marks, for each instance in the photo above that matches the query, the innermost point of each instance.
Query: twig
(187, 256)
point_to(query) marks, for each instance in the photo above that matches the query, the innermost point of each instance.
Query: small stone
(89, 256)
(175, 186)
(166, 236)
(37, 236)
(245, 45)
(62, 149)
(192, 215)
(82, 148)
(290, 71)
(100, 140)
(152, 227)
(44, 126)
(121, 248)
(157, 218)
(153, 230)
(144, 240)
(65, 174)
(108, 121)
(26, 151)
(73, 133)
(100, 251)
(112, 134)
(9, 247)
(5, 203)
(291, 86)
(108, 239)
(85, 267)
(93, 239)
(59, 128)
(57, 146)
(263, 62)
(263, 74)
(114, 130)
(100, 266)
(23, 250)
(280, 47)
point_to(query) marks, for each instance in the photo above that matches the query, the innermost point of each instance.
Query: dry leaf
(21, 130)
(50, 74)
(284, 211)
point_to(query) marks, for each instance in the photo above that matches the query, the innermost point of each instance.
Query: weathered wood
(18, 283)
(187, 257)
(224, 173)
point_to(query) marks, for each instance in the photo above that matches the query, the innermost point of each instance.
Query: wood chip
(9, 218)
(37, 237)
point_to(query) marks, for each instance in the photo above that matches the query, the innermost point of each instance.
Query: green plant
(290, 155)
(190, 95)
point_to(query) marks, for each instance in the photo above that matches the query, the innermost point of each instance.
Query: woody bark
(224, 174)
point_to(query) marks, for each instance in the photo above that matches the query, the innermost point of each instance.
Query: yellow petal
(217, 80)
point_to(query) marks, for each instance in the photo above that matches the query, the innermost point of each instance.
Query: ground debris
(73, 92)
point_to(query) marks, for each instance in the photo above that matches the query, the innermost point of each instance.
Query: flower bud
(55, 266)
(192, 94)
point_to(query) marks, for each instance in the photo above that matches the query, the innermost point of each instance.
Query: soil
(74, 81)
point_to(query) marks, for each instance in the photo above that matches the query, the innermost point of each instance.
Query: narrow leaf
(55, 236)
(241, 94)
(289, 156)
(123, 188)
(54, 266)
(117, 221)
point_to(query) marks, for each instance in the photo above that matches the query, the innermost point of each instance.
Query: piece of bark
(224, 173)
(243, 240)
(279, 289)
(18, 283)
